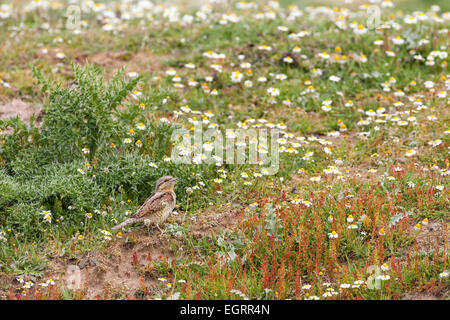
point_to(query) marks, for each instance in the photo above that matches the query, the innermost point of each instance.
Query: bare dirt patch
(210, 222)
(19, 108)
(116, 266)
(121, 266)
(107, 59)
(420, 296)
(434, 291)
(431, 236)
(3, 288)
(142, 61)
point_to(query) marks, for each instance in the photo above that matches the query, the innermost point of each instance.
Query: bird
(157, 208)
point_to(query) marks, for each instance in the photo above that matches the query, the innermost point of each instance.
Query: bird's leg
(147, 224)
(162, 231)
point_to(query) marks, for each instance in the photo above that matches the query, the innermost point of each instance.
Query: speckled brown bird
(157, 208)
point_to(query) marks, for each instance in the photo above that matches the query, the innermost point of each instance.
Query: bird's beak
(174, 180)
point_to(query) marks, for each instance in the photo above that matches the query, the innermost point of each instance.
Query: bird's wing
(155, 203)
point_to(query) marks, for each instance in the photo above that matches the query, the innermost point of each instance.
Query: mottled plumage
(157, 208)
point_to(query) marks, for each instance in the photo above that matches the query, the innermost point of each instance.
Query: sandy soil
(19, 108)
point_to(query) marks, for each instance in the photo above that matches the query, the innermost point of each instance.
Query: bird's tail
(124, 224)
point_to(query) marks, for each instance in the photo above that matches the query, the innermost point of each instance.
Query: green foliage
(83, 115)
